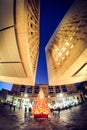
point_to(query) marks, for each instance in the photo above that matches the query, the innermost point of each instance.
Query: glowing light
(41, 106)
(63, 58)
(60, 54)
(58, 63)
(67, 53)
(67, 43)
(71, 38)
(61, 95)
(63, 48)
(72, 46)
(25, 95)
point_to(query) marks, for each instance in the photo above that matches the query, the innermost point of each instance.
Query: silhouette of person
(58, 109)
(25, 111)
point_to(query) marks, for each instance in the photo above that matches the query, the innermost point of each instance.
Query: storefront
(65, 101)
(19, 102)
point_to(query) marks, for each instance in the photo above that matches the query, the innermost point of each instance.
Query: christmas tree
(41, 109)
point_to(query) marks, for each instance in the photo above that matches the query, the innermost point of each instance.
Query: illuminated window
(36, 89)
(29, 90)
(58, 63)
(63, 48)
(59, 53)
(67, 53)
(22, 88)
(63, 58)
(64, 89)
(72, 46)
(50, 89)
(71, 38)
(57, 89)
(67, 43)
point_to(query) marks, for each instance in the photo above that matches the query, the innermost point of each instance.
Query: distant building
(3, 94)
(63, 95)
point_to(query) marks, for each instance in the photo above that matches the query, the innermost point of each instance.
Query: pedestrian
(10, 105)
(25, 112)
(58, 109)
(14, 107)
(29, 111)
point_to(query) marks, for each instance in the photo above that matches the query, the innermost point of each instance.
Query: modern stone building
(66, 51)
(19, 40)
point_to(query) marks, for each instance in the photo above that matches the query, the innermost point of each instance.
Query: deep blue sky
(51, 13)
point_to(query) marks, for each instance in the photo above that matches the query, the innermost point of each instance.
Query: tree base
(40, 115)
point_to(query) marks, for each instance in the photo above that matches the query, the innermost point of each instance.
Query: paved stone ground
(71, 119)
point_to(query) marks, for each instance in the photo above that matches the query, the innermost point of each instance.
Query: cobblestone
(70, 119)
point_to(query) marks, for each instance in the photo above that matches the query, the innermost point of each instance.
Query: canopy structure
(19, 40)
(66, 51)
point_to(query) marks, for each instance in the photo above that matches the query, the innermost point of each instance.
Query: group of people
(56, 112)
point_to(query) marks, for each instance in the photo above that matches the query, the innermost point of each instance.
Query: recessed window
(57, 89)
(36, 89)
(31, 25)
(29, 90)
(31, 33)
(22, 88)
(50, 89)
(64, 89)
(31, 18)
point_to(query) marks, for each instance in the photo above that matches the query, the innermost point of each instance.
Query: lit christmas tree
(41, 109)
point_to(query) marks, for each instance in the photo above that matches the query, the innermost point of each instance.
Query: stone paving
(70, 119)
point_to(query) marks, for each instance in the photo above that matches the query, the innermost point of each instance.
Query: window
(64, 89)
(50, 89)
(31, 25)
(57, 89)
(22, 88)
(36, 89)
(31, 18)
(29, 90)
(31, 33)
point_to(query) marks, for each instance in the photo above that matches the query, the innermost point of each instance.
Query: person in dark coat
(25, 111)
(14, 107)
(29, 111)
(58, 109)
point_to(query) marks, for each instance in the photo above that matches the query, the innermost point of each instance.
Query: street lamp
(25, 95)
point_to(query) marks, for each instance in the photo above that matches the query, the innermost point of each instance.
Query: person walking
(29, 112)
(58, 109)
(25, 111)
(14, 107)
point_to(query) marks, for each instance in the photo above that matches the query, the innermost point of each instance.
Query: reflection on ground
(71, 119)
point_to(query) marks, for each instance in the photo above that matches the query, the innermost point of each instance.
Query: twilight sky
(51, 13)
